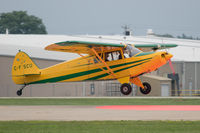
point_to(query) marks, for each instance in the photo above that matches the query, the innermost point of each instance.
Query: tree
(165, 35)
(187, 37)
(19, 22)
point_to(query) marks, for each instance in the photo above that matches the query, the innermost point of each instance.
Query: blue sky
(107, 16)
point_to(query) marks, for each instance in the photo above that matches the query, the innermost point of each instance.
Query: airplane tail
(23, 66)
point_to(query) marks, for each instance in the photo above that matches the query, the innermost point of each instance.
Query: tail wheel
(126, 89)
(19, 92)
(147, 88)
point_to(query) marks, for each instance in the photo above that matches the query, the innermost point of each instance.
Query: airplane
(97, 61)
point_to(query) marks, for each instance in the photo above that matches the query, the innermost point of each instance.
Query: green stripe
(114, 66)
(144, 53)
(106, 74)
(70, 76)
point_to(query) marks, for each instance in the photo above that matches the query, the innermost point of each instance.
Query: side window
(126, 55)
(116, 55)
(108, 56)
(120, 55)
(131, 51)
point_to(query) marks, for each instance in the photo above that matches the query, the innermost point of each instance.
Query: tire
(126, 89)
(147, 88)
(19, 92)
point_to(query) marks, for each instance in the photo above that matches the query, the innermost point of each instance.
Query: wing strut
(110, 70)
(80, 54)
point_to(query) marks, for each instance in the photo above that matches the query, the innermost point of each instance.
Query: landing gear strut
(126, 89)
(147, 88)
(19, 92)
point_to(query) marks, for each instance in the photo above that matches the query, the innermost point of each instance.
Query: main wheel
(147, 88)
(19, 92)
(126, 89)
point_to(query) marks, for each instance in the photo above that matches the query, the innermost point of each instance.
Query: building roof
(188, 50)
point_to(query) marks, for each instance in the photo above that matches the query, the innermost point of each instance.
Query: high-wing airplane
(98, 61)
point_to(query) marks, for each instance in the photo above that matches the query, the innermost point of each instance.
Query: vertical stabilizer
(23, 66)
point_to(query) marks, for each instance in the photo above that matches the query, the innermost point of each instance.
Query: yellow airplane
(98, 61)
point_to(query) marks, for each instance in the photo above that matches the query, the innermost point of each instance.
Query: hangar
(186, 62)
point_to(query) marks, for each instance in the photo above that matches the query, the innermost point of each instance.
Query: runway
(90, 113)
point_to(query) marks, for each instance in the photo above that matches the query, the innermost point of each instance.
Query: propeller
(171, 66)
(168, 57)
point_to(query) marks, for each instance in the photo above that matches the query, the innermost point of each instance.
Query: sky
(106, 17)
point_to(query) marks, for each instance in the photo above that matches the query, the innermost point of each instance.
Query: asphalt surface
(89, 113)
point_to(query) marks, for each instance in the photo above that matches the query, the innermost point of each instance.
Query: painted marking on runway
(153, 107)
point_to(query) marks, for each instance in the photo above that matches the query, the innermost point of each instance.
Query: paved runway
(88, 113)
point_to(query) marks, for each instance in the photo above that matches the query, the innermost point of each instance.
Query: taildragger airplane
(98, 61)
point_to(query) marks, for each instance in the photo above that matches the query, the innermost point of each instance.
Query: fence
(84, 89)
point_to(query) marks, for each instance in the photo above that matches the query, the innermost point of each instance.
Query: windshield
(131, 50)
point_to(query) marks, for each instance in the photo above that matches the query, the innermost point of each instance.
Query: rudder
(23, 66)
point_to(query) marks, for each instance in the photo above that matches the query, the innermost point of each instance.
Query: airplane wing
(156, 46)
(84, 47)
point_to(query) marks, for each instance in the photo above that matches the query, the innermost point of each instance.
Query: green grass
(98, 101)
(100, 127)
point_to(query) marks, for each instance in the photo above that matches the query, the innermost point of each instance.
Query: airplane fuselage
(89, 68)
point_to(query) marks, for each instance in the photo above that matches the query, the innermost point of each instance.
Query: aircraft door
(95, 64)
(113, 59)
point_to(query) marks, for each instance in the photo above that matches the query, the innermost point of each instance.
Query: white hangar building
(186, 62)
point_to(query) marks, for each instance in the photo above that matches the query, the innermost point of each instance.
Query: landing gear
(147, 88)
(126, 89)
(19, 92)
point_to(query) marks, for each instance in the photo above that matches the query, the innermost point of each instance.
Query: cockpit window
(115, 55)
(109, 56)
(130, 51)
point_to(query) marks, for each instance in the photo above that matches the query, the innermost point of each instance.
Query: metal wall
(189, 76)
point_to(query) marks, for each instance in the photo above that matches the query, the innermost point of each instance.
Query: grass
(100, 127)
(98, 101)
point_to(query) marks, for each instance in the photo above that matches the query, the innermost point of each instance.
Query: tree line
(183, 36)
(19, 22)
